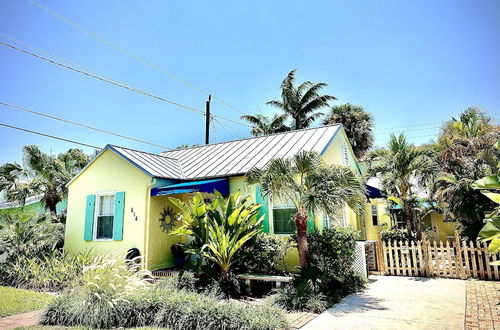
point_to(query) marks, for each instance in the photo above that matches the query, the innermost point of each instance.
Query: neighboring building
(114, 203)
(33, 204)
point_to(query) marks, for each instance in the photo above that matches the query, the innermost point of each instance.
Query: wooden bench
(265, 278)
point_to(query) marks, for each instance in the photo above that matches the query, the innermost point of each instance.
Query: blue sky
(408, 63)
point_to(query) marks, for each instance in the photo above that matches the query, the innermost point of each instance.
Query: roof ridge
(144, 152)
(249, 138)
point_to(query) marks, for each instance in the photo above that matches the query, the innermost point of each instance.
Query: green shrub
(48, 273)
(104, 289)
(329, 276)
(397, 235)
(265, 254)
(111, 296)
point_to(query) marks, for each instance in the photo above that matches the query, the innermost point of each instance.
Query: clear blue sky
(406, 62)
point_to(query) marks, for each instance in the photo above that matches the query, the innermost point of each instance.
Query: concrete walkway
(396, 302)
(21, 320)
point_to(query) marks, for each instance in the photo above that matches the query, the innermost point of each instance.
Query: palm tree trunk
(302, 247)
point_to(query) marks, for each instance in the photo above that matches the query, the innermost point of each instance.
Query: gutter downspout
(146, 223)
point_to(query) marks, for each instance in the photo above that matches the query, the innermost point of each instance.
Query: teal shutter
(310, 222)
(260, 199)
(89, 218)
(118, 220)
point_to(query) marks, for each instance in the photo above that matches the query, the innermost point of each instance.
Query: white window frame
(96, 211)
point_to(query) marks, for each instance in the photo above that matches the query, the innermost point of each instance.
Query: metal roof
(226, 158)
(237, 157)
(155, 165)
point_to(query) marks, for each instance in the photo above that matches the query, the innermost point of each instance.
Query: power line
(80, 124)
(49, 136)
(113, 82)
(100, 77)
(436, 124)
(130, 54)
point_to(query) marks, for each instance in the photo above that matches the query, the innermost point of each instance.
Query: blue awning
(206, 186)
(373, 192)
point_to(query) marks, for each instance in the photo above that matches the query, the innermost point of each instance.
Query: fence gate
(431, 259)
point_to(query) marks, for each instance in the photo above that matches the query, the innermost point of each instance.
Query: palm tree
(262, 125)
(301, 102)
(405, 170)
(41, 174)
(312, 186)
(472, 123)
(358, 125)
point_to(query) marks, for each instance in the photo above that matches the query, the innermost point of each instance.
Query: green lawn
(15, 301)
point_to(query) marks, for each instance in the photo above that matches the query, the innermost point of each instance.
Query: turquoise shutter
(310, 222)
(260, 199)
(118, 220)
(89, 218)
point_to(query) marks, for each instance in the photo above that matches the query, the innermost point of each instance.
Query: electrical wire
(80, 124)
(49, 136)
(130, 54)
(113, 82)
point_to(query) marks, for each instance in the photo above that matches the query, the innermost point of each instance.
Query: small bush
(329, 276)
(111, 296)
(47, 273)
(397, 235)
(263, 255)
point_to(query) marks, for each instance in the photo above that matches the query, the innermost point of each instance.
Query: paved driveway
(396, 302)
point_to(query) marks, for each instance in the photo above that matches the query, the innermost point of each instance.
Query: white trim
(96, 210)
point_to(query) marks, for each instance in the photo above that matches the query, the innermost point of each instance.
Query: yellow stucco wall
(384, 221)
(438, 229)
(159, 253)
(108, 172)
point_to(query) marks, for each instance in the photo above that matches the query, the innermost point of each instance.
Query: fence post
(380, 255)
(458, 256)
(426, 255)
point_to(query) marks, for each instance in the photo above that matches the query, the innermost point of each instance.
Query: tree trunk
(302, 247)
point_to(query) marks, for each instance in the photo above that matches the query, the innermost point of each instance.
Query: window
(326, 221)
(282, 220)
(104, 216)
(374, 215)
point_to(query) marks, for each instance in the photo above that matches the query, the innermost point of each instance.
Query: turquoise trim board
(264, 209)
(118, 219)
(89, 218)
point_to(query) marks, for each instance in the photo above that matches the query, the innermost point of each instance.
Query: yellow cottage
(115, 202)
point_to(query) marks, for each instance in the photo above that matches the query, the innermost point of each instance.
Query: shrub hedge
(112, 296)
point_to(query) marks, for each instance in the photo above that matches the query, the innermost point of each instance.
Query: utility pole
(207, 120)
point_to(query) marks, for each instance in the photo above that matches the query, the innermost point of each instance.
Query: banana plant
(219, 228)
(491, 230)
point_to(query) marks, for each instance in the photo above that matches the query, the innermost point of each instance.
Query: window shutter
(89, 218)
(118, 219)
(263, 209)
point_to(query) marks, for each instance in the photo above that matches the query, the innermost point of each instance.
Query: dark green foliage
(329, 276)
(263, 255)
(397, 235)
(30, 255)
(358, 126)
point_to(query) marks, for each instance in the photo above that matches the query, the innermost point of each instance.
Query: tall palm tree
(312, 186)
(301, 102)
(41, 174)
(358, 125)
(262, 125)
(405, 170)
